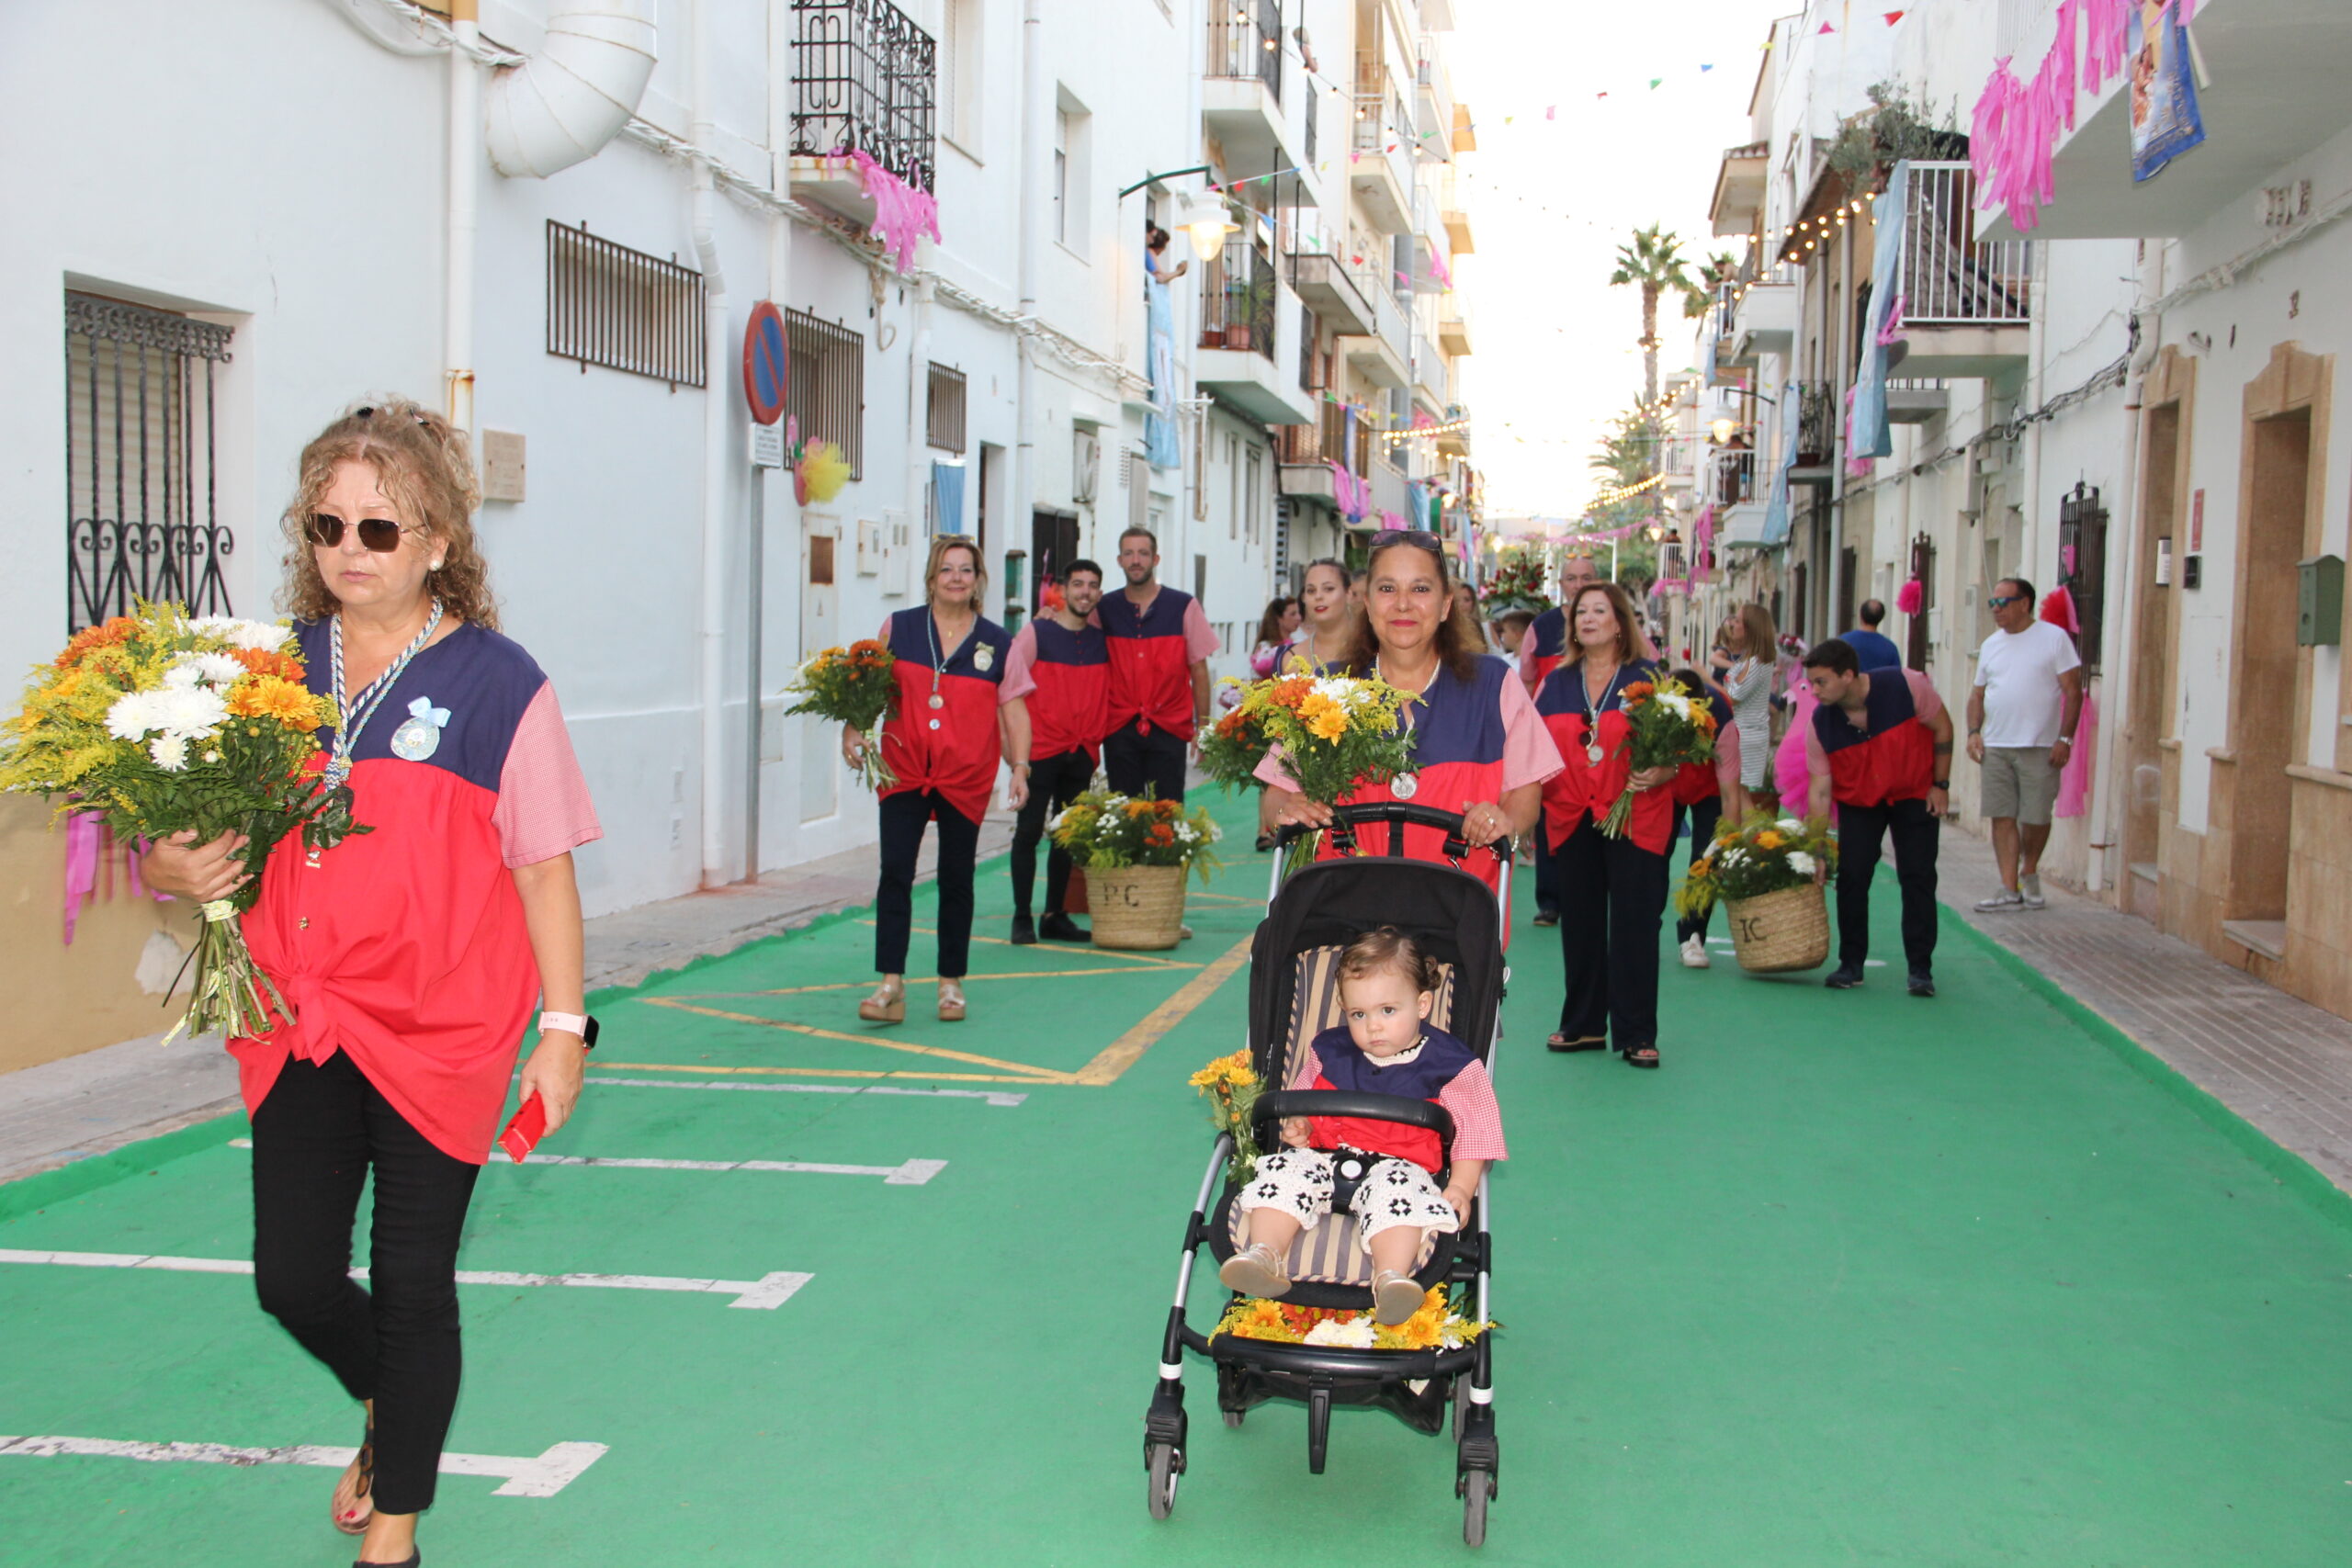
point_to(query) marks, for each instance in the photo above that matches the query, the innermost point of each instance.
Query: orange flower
(1769, 839)
(1290, 694)
(265, 661)
(1639, 692)
(1138, 808)
(1703, 721)
(268, 697)
(1160, 836)
(1167, 807)
(109, 634)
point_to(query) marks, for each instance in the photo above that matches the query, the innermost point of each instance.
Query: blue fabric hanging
(948, 498)
(1160, 447)
(1873, 434)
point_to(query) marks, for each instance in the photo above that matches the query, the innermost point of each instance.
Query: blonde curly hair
(424, 466)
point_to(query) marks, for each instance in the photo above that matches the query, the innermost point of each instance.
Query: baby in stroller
(1382, 1173)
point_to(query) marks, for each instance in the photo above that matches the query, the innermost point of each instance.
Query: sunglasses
(1420, 536)
(2002, 601)
(381, 535)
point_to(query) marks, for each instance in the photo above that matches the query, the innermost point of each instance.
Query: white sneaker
(2005, 902)
(1695, 953)
(2029, 892)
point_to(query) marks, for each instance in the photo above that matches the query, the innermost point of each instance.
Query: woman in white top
(1745, 658)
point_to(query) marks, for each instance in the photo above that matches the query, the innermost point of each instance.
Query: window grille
(947, 407)
(142, 506)
(622, 309)
(2082, 567)
(866, 79)
(1923, 572)
(827, 390)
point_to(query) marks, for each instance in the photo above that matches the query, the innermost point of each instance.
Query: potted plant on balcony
(1242, 302)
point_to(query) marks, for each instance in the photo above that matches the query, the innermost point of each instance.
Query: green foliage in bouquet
(1762, 854)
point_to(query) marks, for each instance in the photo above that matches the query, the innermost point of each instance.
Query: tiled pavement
(2281, 1064)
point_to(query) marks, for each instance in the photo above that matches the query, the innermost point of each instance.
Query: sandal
(887, 1005)
(1561, 1043)
(354, 1520)
(951, 1002)
(1644, 1055)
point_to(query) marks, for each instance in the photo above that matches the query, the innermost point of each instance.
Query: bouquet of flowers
(1517, 582)
(1106, 831)
(1441, 1323)
(1235, 744)
(1230, 1086)
(1335, 731)
(1764, 853)
(160, 723)
(855, 686)
(1670, 725)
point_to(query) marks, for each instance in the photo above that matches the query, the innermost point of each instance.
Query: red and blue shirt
(1442, 1070)
(954, 748)
(1152, 653)
(1586, 788)
(1543, 645)
(1891, 755)
(404, 948)
(1065, 677)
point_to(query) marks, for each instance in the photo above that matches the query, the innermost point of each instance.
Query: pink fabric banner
(903, 214)
(2013, 131)
(2074, 779)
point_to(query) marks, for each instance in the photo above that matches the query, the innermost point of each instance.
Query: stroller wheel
(1476, 1487)
(1160, 1480)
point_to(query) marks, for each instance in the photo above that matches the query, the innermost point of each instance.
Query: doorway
(2154, 630)
(1053, 544)
(2265, 684)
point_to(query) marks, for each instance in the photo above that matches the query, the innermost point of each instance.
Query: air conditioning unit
(1085, 468)
(898, 554)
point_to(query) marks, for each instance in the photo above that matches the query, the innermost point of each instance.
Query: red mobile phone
(530, 1124)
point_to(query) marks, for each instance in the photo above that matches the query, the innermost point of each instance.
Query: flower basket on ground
(161, 725)
(855, 686)
(1231, 1087)
(1670, 728)
(1768, 873)
(1136, 853)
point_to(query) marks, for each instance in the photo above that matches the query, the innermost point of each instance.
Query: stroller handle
(1356, 1104)
(1398, 813)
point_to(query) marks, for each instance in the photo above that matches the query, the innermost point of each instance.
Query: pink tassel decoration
(1911, 596)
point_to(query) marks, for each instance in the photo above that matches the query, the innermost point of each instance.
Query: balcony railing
(1732, 478)
(1246, 41)
(1816, 421)
(866, 79)
(1325, 441)
(1949, 278)
(1238, 300)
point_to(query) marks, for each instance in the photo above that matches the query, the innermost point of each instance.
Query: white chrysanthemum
(1790, 825)
(134, 715)
(210, 669)
(188, 713)
(1800, 863)
(1354, 1333)
(1676, 704)
(170, 753)
(262, 637)
(1339, 688)
(182, 677)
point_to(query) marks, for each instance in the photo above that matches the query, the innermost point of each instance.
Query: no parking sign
(766, 364)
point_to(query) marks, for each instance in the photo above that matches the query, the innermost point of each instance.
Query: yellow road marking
(1121, 955)
(1050, 1074)
(831, 1073)
(1127, 1049)
(911, 980)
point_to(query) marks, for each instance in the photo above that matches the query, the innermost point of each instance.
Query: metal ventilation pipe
(563, 105)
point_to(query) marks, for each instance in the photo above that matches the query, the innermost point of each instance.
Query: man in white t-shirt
(2021, 716)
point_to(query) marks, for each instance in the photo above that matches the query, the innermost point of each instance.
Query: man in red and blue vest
(1881, 747)
(1058, 663)
(1160, 644)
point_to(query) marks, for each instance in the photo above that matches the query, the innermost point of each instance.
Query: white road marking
(545, 1476)
(769, 1292)
(991, 1096)
(909, 1173)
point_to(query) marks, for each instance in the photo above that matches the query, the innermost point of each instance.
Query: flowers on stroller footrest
(855, 687)
(1335, 731)
(1231, 1087)
(1232, 748)
(162, 724)
(1106, 831)
(1440, 1324)
(1669, 727)
(1764, 853)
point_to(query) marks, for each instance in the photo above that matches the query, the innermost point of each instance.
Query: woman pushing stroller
(1384, 1173)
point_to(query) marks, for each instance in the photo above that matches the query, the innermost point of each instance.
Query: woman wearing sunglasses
(955, 717)
(410, 957)
(1479, 749)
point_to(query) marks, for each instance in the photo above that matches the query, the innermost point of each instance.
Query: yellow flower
(1769, 839)
(1326, 720)
(1233, 1070)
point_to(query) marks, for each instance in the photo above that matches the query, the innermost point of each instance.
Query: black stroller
(1293, 994)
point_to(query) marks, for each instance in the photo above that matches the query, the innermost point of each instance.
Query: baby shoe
(1394, 1297)
(1255, 1270)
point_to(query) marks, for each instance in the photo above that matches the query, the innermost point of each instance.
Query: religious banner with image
(2165, 118)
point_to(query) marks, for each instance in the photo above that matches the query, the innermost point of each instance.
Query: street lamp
(1723, 429)
(1208, 222)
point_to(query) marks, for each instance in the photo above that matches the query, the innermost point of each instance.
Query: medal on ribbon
(983, 659)
(419, 735)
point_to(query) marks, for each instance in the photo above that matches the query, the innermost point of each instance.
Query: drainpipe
(465, 169)
(918, 406)
(1024, 450)
(715, 455)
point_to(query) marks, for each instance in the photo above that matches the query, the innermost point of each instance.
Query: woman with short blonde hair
(1746, 657)
(410, 957)
(942, 746)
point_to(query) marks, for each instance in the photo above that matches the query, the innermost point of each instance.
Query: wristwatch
(570, 1023)
(1943, 784)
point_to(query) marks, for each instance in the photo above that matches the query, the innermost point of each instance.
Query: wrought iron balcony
(1238, 300)
(1246, 42)
(1949, 277)
(1817, 409)
(866, 79)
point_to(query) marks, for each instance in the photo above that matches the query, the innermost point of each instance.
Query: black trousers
(1054, 782)
(1136, 762)
(903, 815)
(1548, 874)
(1613, 901)
(1860, 829)
(315, 1139)
(1703, 816)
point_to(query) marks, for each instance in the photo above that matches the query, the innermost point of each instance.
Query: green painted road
(1854, 1278)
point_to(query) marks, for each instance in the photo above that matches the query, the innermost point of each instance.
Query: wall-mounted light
(1208, 222)
(1723, 428)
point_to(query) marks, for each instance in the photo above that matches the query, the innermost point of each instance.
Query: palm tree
(1713, 273)
(1654, 263)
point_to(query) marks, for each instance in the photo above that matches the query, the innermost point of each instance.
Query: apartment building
(555, 216)
(2124, 389)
